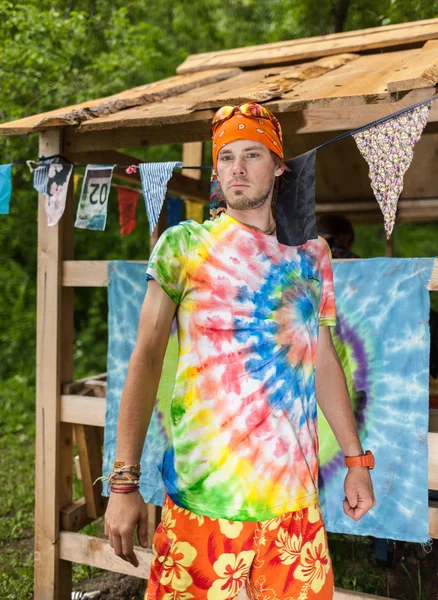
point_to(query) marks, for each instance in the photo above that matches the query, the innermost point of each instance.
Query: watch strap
(363, 460)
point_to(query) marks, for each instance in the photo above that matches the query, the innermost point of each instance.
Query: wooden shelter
(317, 87)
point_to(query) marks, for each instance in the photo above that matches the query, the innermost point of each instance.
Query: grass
(352, 556)
(17, 456)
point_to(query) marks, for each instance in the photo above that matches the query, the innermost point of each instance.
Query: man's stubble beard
(242, 202)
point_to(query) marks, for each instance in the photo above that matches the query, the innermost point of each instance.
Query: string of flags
(387, 145)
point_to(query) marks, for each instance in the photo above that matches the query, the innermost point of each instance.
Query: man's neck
(258, 218)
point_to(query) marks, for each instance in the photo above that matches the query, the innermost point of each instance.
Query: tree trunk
(339, 14)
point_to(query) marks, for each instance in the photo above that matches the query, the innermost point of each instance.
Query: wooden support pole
(54, 459)
(90, 458)
(193, 154)
(389, 246)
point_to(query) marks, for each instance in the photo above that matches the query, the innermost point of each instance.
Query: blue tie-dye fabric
(126, 291)
(383, 342)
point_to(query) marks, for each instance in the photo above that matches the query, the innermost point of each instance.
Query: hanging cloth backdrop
(383, 342)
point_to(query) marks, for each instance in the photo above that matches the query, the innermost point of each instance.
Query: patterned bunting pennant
(194, 211)
(127, 198)
(58, 179)
(51, 178)
(5, 188)
(93, 205)
(388, 148)
(154, 179)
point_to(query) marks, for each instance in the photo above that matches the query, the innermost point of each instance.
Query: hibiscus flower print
(289, 546)
(230, 529)
(315, 562)
(259, 591)
(314, 513)
(175, 595)
(180, 556)
(184, 511)
(166, 518)
(233, 571)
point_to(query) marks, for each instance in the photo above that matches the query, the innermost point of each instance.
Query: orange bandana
(242, 127)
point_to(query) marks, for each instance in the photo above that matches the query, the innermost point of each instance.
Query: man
(338, 232)
(240, 470)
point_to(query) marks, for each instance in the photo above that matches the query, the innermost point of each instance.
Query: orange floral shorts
(195, 557)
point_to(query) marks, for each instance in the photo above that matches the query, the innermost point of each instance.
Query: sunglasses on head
(248, 109)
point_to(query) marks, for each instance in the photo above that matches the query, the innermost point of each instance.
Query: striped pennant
(154, 179)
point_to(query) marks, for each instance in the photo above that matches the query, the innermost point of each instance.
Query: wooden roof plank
(360, 82)
(401, 34)
(421, 70)
(142, 95)
(265, 84)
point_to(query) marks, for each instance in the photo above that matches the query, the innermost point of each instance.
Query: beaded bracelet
(121, 473)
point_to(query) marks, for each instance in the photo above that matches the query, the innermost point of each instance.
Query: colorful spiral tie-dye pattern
(243, 442)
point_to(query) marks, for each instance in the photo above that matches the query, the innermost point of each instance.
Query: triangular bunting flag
(194, 211)
(128, 198)
(154, 179)
(57, 185)
(51, 178)
(388, 148)
(93, 204)
(5, 188)
(174, 210)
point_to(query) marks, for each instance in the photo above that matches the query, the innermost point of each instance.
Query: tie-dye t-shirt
(243, 442)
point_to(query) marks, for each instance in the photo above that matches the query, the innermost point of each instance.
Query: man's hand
(359, 493)
(124, 513)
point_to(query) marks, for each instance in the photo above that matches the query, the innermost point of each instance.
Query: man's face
(246, 171)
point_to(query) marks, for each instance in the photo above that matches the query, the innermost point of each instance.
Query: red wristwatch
(363, 460)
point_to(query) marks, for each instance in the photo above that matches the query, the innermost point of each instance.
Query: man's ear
(278, 171)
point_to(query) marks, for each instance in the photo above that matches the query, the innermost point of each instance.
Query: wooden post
(54, 459)
(193, 154)
(389, 246)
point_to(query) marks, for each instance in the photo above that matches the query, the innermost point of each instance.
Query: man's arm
(127, 511)
(332, 396)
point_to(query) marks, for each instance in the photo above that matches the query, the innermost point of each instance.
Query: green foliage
(354, 566)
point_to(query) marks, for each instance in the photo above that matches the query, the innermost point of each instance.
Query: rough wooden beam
(433, 520)
(419, 71)
(402, 34)
(84, 410)
(96, 552)
(197, 129)
(179, 184)
(94, 273)
(262, 85)
(53, 442)
(74, 517)
(362, 82)
(341, 594)
(433, 412)
(150, 93)
(90, 457)
(433, 283)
